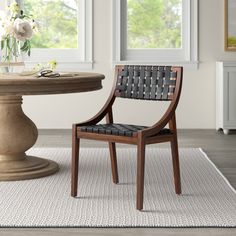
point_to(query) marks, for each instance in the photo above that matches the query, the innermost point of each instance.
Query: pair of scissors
(48, 73)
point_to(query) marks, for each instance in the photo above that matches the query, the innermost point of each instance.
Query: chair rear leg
(176, 168)
(74, 164)
(112, 149)
(140, 174)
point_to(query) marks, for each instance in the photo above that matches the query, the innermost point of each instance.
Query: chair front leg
(175, 161)
(140, 173)
(112, 149)
(74, 163)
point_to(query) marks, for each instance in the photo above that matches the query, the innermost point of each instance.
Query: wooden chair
(156, 83)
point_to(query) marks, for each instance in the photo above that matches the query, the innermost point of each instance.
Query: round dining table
(18, 133)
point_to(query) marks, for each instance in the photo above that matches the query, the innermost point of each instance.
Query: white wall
(197, 104)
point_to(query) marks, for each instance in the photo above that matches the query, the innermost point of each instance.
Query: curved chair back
(148, 82)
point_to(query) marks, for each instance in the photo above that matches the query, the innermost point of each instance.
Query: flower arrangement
(52, 64)
(16, 30)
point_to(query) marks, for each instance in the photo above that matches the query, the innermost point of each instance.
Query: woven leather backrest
(146, 82)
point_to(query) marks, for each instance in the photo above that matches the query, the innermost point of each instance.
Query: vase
(11, 57)
(12, 67)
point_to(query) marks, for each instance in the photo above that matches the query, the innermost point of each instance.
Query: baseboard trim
(54, 131)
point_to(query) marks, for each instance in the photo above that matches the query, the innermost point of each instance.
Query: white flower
(6, 26)
(14, 8)
(2, 15)
(22, 30)
(3, 33)
(9, 27)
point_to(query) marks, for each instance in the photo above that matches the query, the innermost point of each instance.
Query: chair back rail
(146, 82)
(156, 83)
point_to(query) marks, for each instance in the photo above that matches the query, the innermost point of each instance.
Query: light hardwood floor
(220, 148)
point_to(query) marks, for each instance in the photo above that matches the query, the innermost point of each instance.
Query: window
(159, 24)
(58, 21)
(65, 32)
(152, 31)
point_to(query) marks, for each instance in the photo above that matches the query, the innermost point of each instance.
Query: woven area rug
(207, 200)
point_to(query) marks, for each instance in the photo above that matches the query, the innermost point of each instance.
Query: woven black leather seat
(118, 129)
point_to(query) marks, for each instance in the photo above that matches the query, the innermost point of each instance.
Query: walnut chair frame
(159, 83)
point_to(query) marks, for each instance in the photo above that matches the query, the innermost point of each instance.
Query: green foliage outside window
(154, 23)
(58, 23)
(232, 41)
(150, 23)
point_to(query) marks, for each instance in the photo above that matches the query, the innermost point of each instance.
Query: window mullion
(186, 34)
(82, 36)
(123, 31)
(116, 30)
(194, 30)
(88, 31)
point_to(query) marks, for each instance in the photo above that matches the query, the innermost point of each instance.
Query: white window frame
(186, 56)
(70, 59)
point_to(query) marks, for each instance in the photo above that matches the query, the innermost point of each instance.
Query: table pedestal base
(29, 168)
(17, 134)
